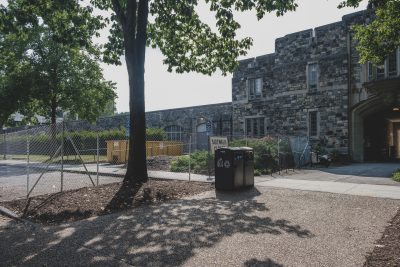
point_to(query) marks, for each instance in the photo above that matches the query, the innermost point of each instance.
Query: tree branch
(119, 12)
(131, 17)
(141, 32)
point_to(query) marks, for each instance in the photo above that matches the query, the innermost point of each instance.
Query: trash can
(229, 168)
(248, 171)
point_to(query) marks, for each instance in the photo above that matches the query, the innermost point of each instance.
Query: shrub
(198, 162)
(396, 175)
(265, 152)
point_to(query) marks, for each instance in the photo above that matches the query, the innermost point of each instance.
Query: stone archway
(363, 116)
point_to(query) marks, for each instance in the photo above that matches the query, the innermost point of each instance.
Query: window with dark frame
(174, 132)
(380, 72)
(255, 87)
(255, 127)
(392, 64)
(370, 71)
(313, 123)
(312, 76)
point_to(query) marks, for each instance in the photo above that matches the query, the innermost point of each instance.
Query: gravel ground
(13, 182)
(262, 227)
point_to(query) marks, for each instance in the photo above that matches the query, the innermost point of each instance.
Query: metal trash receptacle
(228, 168)
(248, 170)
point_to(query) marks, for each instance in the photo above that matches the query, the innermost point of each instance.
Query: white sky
(170, 90)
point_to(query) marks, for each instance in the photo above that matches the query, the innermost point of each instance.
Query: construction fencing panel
(54, 158)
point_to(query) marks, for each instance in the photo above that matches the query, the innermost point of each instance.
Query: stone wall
(188, 118)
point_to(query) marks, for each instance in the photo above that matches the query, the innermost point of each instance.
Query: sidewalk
(349, 180)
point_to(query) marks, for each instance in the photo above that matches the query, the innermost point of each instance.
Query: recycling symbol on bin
(227, 164)
(220, 163)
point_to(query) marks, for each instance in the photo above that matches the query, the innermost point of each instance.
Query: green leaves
(48, 60)
(189, 44)
(382, 36)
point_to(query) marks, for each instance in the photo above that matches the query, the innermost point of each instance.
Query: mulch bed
(387, 249)
(91, 201)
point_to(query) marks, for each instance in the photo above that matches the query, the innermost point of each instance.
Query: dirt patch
(387, 249)
(160, 163)
(90, 201)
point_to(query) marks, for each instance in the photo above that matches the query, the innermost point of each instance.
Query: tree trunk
(135, 49)
(137, 165)
(53, 114)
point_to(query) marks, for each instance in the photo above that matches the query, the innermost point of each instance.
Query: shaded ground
(90, 201)
(362, 173)
(387, 249)
(262, 227)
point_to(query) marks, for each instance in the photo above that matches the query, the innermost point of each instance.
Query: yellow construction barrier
(117, 150)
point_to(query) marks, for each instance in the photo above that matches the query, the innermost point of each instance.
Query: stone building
(314, 86)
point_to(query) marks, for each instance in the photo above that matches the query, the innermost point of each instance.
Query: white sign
(217, 142)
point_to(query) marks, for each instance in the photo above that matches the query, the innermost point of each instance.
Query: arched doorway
(375, 130)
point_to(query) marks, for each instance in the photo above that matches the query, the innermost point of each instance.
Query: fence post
(5, 145)
(62, 156)
(190, 150)
(27, 164)
(97, 151)
(279, 157)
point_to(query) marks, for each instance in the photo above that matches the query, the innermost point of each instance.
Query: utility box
(248, 170)
(229, 168)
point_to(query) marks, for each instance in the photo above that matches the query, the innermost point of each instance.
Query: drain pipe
(349, 94)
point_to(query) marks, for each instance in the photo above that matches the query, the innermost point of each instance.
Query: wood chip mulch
(387, 249)
(91, 201)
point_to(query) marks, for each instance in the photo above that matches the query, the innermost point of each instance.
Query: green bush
(396, 175)
(265, 152)
(198, 162)
(181, 164)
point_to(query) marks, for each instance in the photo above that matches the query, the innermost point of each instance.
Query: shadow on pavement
(160, 235)
(376, 170)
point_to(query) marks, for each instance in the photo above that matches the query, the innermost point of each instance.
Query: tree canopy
(381, 36)
(48, 66)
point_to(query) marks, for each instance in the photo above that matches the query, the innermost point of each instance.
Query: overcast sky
(170, 90)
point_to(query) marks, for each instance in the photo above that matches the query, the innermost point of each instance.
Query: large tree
(46, 67)
(187, 43)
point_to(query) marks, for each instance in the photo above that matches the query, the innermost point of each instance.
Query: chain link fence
(54, 158)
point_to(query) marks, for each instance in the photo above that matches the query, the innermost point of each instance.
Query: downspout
(349, 94)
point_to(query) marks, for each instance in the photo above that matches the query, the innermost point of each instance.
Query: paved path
(262, 227)
(371, 179)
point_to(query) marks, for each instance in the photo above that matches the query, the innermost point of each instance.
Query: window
(174, 133)
(370, 71)
(392, 64)
(380, 72)
(255, 127)
(312, 76)
(313, 123)
(255, 87)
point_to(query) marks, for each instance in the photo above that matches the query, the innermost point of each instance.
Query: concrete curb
(8, 213)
